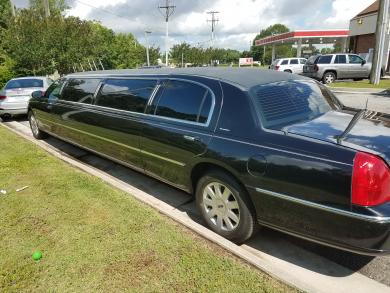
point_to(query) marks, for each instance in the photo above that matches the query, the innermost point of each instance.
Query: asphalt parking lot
(317, 258)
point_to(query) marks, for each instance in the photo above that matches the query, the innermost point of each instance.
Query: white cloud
(344, 10)
(240, 20)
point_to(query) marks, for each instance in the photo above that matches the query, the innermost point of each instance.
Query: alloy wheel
(221, 207)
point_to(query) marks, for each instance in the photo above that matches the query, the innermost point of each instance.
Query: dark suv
(253, 146)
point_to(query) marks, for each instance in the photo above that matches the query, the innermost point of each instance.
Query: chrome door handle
(190, 138)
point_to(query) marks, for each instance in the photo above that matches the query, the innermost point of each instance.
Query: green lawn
(384, 84)
(96, 238)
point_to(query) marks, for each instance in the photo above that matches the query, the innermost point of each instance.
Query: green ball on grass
(37, 255)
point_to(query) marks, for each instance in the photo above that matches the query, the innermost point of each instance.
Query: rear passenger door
(178, 128)
(341, 65)
(295, 67)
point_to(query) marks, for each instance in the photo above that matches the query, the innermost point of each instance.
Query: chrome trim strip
(325, 208)
(119, 144)
(279, 150)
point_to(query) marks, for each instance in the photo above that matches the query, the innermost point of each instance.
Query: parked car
(328, 68)
(253, 146)
(16, 93)
(290, 65)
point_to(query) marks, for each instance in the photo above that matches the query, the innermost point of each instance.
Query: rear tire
(37, 133)
(329, 77)
(5, 117)
(225, 206)
(288, 71)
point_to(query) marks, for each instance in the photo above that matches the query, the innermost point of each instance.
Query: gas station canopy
(306, 37)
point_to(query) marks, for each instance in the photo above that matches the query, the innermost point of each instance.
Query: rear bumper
(13, 108)
(13, 111)
(364, 232)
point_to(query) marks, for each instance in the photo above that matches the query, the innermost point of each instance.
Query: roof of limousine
(246, 77)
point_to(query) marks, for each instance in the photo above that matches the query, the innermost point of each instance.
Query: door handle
(191, 138)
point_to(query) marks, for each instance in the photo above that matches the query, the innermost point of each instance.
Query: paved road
(304, 254)
(376, 102)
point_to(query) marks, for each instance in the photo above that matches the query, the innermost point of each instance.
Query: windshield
(24, 83)
(287, 102)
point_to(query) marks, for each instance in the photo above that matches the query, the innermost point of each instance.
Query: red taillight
(276, 67)
(2, 97)
(316, 68)
(370, 180)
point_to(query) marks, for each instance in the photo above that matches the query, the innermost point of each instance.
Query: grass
(96, 238)
(384, 84)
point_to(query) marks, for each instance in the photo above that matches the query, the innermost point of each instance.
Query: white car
(15, 95)
(291, 65)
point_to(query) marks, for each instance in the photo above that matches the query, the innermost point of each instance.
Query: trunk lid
(20, 94)
(366, 135)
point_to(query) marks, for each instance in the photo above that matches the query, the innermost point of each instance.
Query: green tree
(257, 52)
(5, 13)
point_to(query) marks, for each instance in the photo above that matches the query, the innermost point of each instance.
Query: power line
(214, 20)
(167, 12)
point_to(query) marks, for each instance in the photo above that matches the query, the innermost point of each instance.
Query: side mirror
(38, 94)
(364, 62)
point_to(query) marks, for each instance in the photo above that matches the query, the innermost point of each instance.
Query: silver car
(17, 92)
(330, 67)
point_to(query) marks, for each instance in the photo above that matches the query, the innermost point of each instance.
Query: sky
(239, 20)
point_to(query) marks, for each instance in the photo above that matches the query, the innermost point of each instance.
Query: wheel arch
(202, 168)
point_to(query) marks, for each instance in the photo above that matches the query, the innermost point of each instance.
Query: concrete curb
(277, 268)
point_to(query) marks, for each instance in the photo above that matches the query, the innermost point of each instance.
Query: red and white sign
(246, 61)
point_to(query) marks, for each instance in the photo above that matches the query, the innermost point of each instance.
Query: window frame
(161, 86)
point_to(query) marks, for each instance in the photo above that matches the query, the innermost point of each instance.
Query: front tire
(225, 206)
(329, 77)
(37, 133)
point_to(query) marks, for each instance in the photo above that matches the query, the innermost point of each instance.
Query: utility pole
(47, 8)
(381, 31)
(12, 9)
(147, 47)
(182, 59)
(213, 22)
(167, 12)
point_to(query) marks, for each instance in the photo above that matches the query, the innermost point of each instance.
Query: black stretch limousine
(253, 146)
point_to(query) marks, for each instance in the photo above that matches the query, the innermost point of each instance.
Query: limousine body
(253, 146)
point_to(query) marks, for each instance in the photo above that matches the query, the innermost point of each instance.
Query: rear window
(24, 83)
(288, 102)
(326, 59)
(312, 59)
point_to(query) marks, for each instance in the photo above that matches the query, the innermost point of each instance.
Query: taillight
(370, 180)
(276, 67)
(316, 68)
(2, 97)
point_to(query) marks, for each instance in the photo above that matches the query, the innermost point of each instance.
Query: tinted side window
(80, 90)
(294, 61)
(184, 101)
(340, 59)
(126, 94)
(53, 92)
(354, 59)
(284, 62)
(326, 59)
